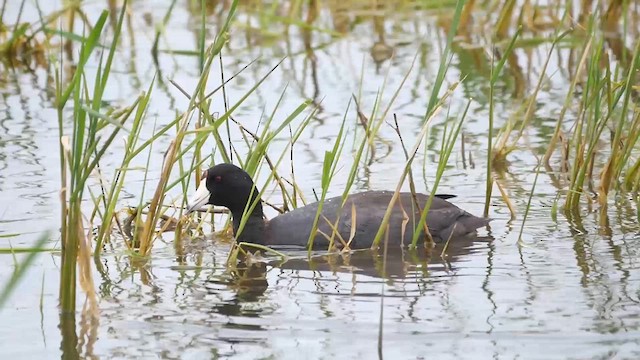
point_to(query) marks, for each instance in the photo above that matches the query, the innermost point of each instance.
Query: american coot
(229, 186)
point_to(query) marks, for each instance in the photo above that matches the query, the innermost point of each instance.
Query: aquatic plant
(599, 108)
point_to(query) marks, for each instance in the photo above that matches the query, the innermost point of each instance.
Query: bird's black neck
(254, 230)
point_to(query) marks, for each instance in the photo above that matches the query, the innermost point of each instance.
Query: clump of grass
(625, 134)
(109, 199)
(81, 149)
(175, 151)
(605, 104)
(79, 155)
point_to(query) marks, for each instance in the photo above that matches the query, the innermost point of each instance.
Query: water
(571, 289)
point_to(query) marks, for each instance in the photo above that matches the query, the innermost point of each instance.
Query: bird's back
(361, 216)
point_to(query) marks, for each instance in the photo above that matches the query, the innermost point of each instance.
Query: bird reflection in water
(249, 276)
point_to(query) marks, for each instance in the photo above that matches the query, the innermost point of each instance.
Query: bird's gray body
(444, 220)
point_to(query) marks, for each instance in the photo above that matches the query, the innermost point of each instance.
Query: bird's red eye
(217, 178)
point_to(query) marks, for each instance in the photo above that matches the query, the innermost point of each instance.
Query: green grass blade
(21, 270)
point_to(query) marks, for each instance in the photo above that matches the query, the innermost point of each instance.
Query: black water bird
(229, 186)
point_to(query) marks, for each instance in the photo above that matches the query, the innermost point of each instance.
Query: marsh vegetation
(112, 109)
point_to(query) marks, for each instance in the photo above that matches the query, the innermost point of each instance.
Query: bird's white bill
(199, 199)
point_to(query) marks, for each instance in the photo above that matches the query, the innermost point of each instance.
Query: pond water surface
(568, 290)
